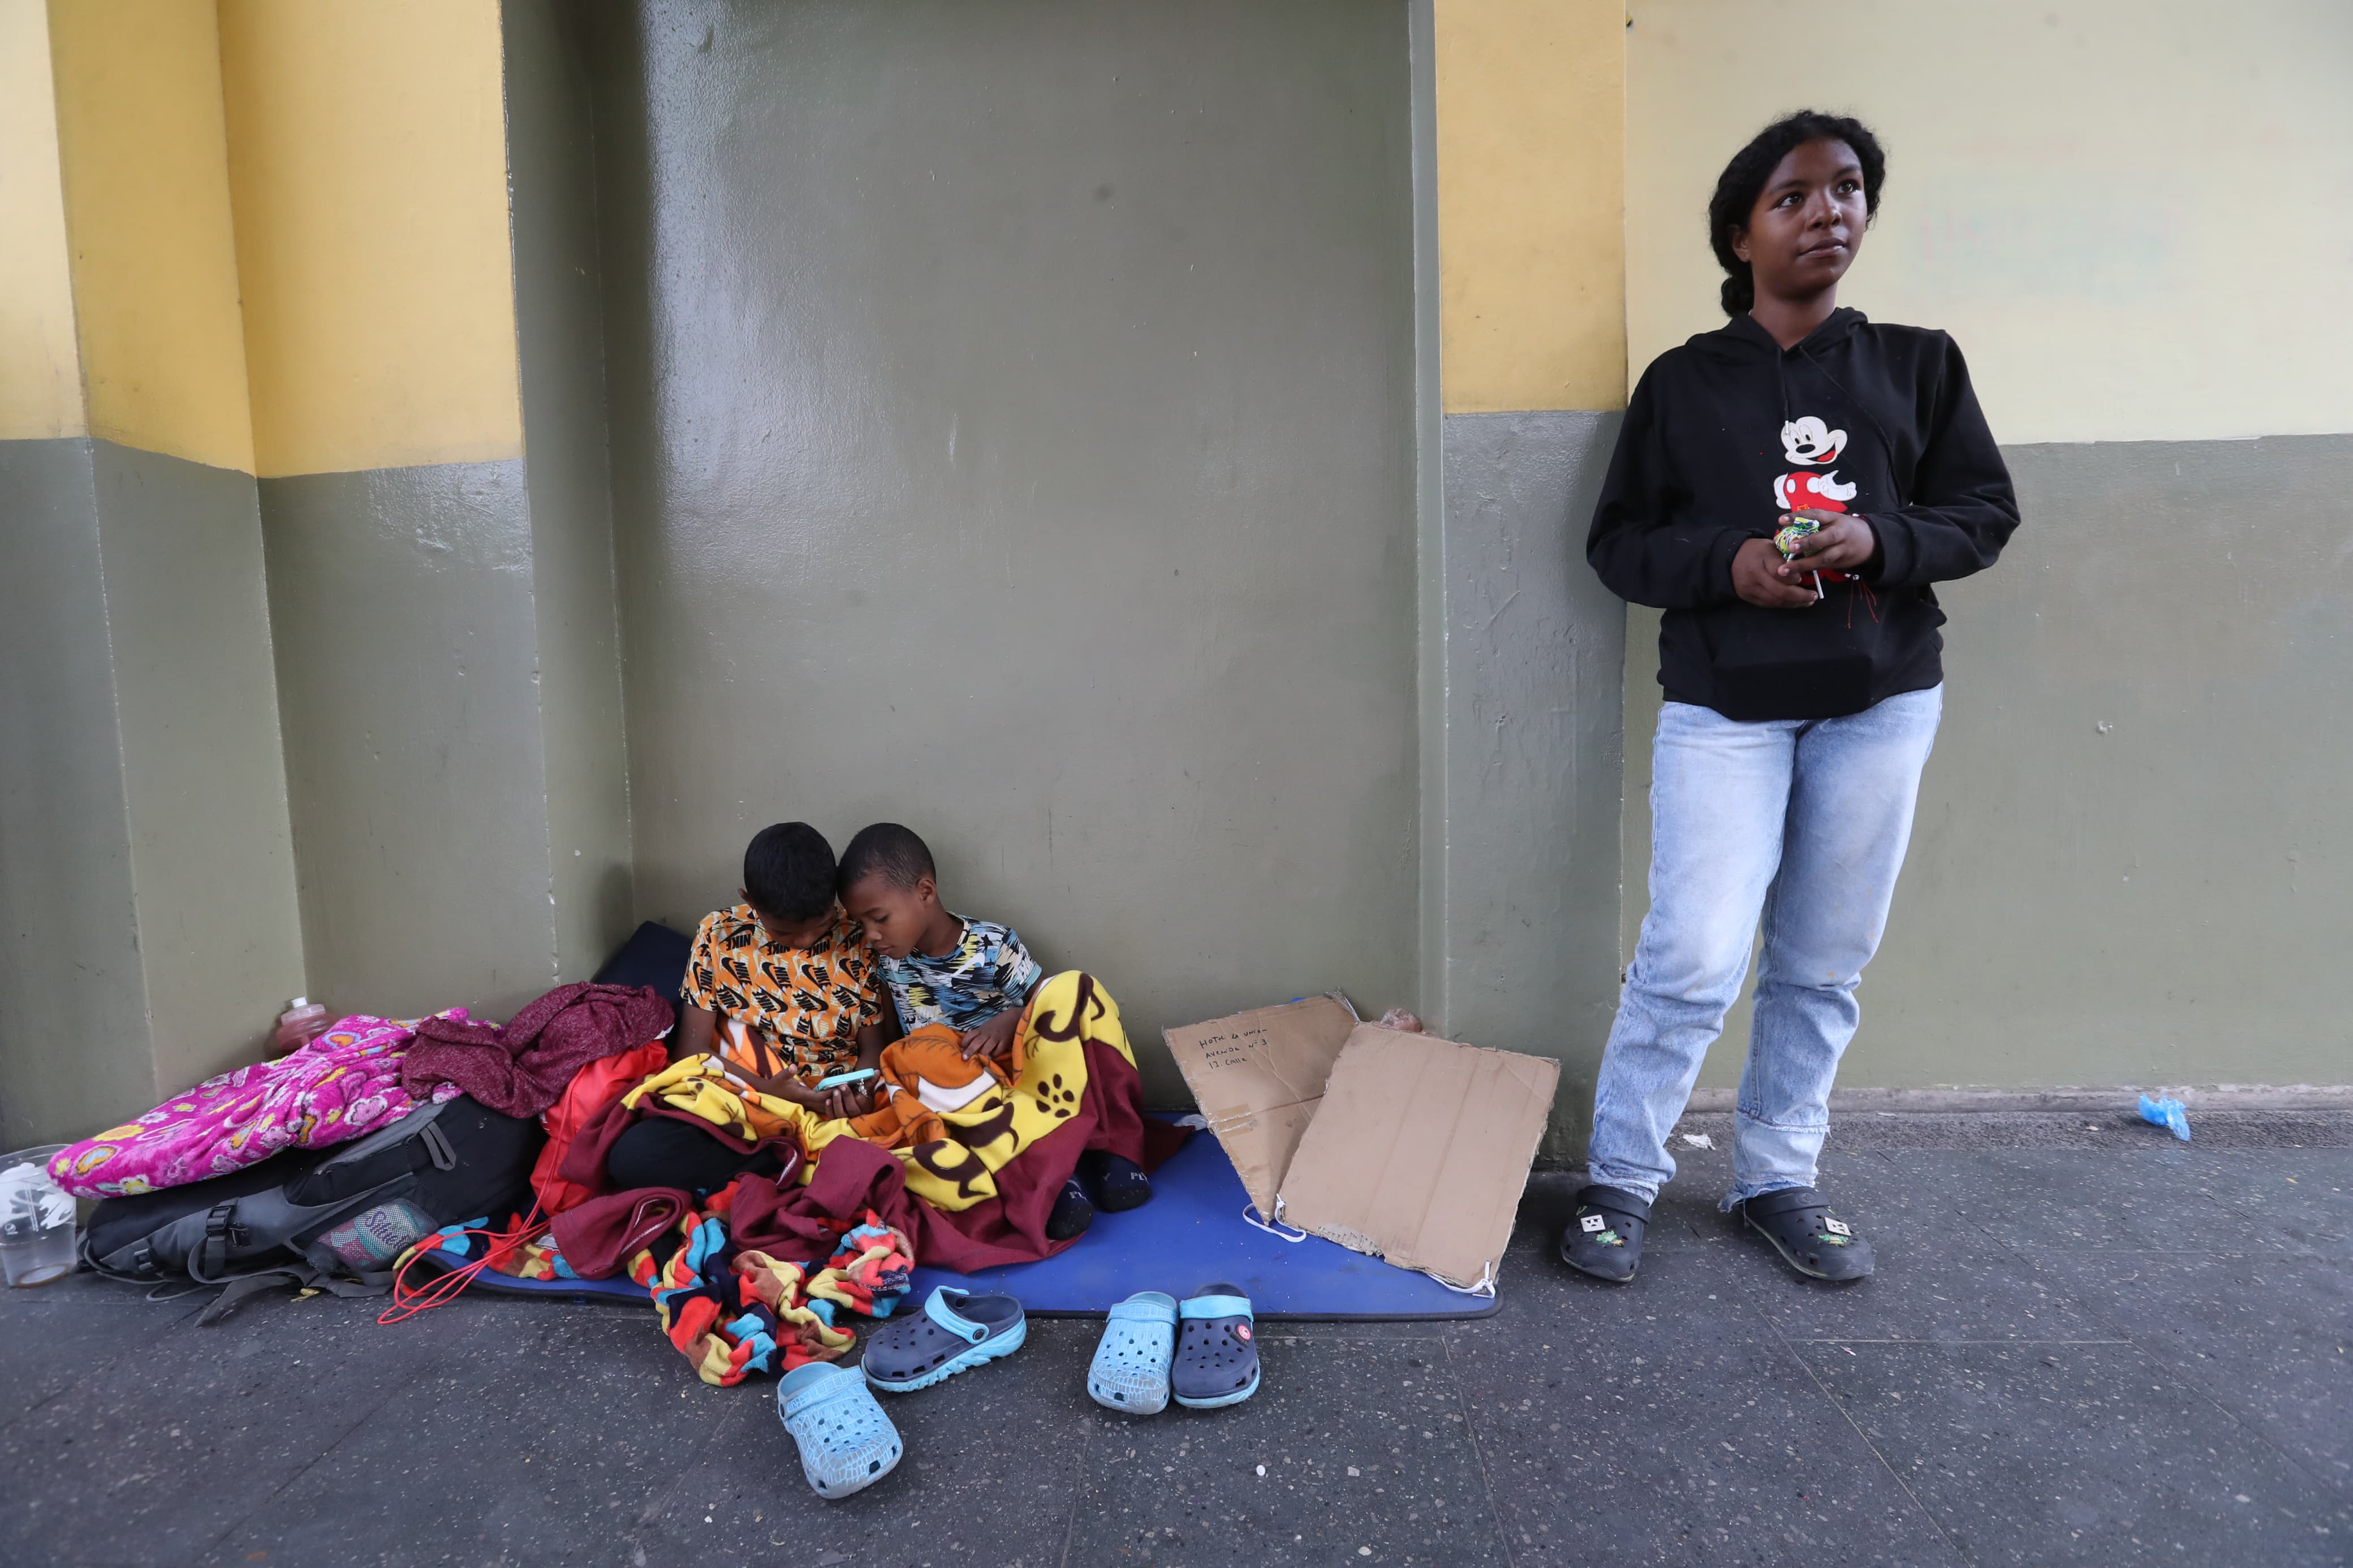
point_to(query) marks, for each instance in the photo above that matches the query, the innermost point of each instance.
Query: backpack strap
(247, 1285)
(208, 1260)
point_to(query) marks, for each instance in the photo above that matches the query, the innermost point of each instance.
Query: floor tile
(1580, 1422)
(1367, 1458)
(55, 1336)
(1939, 1276)
(160, 1452)
(2301, 1199)
(993, 1459)
(2270, 1339)
(2079, 1454)
(493, 1449)
(1648, 1445)
(2159, 1200)
(1701, 1287)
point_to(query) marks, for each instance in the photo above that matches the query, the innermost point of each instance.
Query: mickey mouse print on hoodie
(1807, 440)
(1728, 433)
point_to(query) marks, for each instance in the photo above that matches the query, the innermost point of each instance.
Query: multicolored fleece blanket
(341, 1086)
(732, 1313)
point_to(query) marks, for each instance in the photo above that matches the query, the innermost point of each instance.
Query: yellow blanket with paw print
(954, 1123)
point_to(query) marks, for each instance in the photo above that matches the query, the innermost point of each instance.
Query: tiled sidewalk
(2130, 1353)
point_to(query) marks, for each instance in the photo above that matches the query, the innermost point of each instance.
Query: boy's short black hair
(889, 851)
(788, 871)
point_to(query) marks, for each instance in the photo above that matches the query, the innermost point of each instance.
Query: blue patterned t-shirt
(988, 972)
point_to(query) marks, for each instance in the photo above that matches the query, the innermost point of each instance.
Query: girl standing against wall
(1802, 690)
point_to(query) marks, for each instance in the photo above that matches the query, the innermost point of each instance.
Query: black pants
(660, 1152)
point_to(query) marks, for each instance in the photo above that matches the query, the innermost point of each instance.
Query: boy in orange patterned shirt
(783, 986)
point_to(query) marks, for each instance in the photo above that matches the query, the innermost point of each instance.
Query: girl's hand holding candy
(1836, 541)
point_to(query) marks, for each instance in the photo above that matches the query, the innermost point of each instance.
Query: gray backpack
(334, 1219)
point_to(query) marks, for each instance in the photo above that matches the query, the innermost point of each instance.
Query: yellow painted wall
(2132, 214)
(40, 365)
(145, 164)
(368, 155)
(1531, 122)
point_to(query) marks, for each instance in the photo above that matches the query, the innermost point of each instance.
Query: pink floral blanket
(342, 1085)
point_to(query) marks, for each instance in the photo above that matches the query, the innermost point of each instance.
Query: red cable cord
(498, 1246)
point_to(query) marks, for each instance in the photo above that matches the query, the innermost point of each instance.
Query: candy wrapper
(1789, 539)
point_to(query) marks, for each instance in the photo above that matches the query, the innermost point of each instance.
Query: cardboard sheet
(1419, 1150)
(1257, 1076)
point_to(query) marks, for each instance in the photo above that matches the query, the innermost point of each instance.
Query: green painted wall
(567, 481)
(2132, 856)
(1012, 436)
(449, 642)
(401, 603)
(1531, 667)
(146, 882)
(205, 777)
(73, 996)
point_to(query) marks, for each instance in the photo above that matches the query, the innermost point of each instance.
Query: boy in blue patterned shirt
(975, 977)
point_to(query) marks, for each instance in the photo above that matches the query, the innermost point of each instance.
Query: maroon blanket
(599, 1238)
(523, 1069)
(801, 1223)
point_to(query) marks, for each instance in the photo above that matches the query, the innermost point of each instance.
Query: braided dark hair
(1743, 180)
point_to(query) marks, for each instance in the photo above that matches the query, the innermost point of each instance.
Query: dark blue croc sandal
(1604, 1237)
(1217, 1349)
(954, 1333)
(1810, 1240)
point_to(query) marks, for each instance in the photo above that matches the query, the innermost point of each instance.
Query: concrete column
(1523, 647)
(351, 728)
(440, 549)
(568, 477)
(146, 873)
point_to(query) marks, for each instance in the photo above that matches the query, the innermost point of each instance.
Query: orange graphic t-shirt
(796, 1009)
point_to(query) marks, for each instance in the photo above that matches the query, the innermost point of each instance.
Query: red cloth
(801, 1225)
(521, 1069)
(592, 1089)
(599, 1237)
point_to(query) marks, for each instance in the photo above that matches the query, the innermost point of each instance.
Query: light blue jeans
(1804, 822)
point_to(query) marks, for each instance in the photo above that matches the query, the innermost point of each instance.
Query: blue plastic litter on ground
(2167, 1112)
(1190, 1234)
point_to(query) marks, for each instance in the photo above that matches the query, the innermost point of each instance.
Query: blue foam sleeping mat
(1190, 1234)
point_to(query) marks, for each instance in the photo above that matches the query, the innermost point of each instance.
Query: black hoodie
(1731, 431)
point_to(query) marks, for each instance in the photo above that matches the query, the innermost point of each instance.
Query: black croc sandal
(1604, 1237)
(1217, 1349)
(1812, 1241)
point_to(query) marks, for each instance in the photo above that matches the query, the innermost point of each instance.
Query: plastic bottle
(302, 1022)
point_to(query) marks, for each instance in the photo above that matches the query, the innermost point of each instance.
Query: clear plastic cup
(36, 1219)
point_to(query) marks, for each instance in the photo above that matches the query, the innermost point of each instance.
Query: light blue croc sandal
(846, 1443)
(1130, 1373)
(1217, 1349)
(954, 1333)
